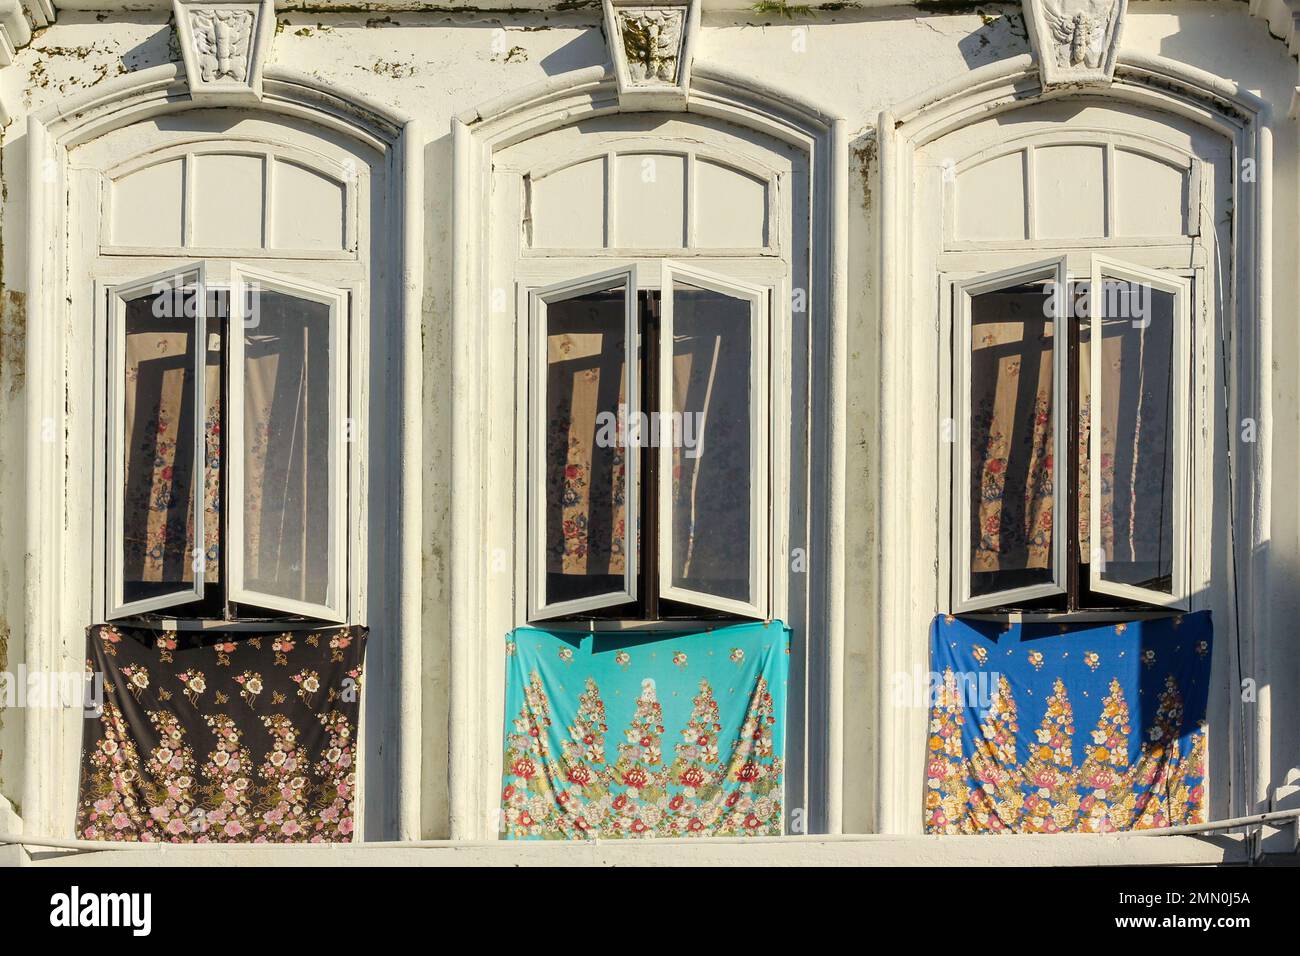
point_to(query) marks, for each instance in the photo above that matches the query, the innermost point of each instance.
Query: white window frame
(335, 608)
(762, 464)
(760, 428)
(1104, 267)
(963, 292)
(539, 607)
(174, 280)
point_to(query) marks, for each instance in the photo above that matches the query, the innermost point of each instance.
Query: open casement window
(583, 482)
(227, 463)
(163, 392)
(287, 465)
(1134, 532)
(649, 461)
(1010, 383)
(1074, 453)
(712, 456)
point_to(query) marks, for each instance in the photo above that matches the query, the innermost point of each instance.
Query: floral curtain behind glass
(586, 506)
(158, 512)
(1012, 432)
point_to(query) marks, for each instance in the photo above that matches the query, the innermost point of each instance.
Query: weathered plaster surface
(854, 61)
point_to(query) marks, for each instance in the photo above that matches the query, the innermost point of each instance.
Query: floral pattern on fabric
(1012, 435)
(1121, 740)
(1015, 533)
(192, 749)
(159, 474)
(699, 749)
(587, 477)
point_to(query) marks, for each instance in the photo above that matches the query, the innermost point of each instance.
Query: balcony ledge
(866, 850)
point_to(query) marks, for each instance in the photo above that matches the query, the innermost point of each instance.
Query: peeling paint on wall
(781, 8)
(516, 54)
(13, 340)
(397, 71)
(866, 157)
(13, 316)
(68, 68)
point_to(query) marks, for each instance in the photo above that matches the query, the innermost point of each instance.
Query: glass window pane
(159, 444)
(1079, 315)
(712, 441)
(287, 433)
(1012, 498)
(1134, 416)
(585, 494)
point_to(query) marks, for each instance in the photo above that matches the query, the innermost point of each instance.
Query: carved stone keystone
(651, 45)
(1075, 41)
(225, 45)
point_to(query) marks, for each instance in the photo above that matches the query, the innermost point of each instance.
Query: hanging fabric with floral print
(674, 735)
(1046, 728)
(223, 737)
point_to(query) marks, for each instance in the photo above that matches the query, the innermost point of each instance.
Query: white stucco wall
(854, 62)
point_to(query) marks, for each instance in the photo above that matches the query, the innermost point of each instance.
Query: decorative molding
(15, 30)
(651, 46)
(1075, 41)
(40, 12)
(225, 45)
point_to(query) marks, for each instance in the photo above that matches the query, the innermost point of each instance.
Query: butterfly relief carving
(222, 42)
(1081, 33)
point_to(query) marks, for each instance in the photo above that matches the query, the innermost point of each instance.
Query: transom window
(1072, 443)
(226, 447)
(649, 470)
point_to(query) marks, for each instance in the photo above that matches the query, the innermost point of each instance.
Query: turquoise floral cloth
(670, 735)
(1046, 728)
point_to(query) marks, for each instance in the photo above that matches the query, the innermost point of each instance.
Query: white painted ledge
(955, 851)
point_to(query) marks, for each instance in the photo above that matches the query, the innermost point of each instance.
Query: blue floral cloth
(670, 735)
(1046, 728)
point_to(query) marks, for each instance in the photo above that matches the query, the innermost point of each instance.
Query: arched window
(676, 266)
(1004, 207)
(650, 272)
(1072, 377)
(230, 278)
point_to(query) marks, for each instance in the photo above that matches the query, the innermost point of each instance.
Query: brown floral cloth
(224, 737)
